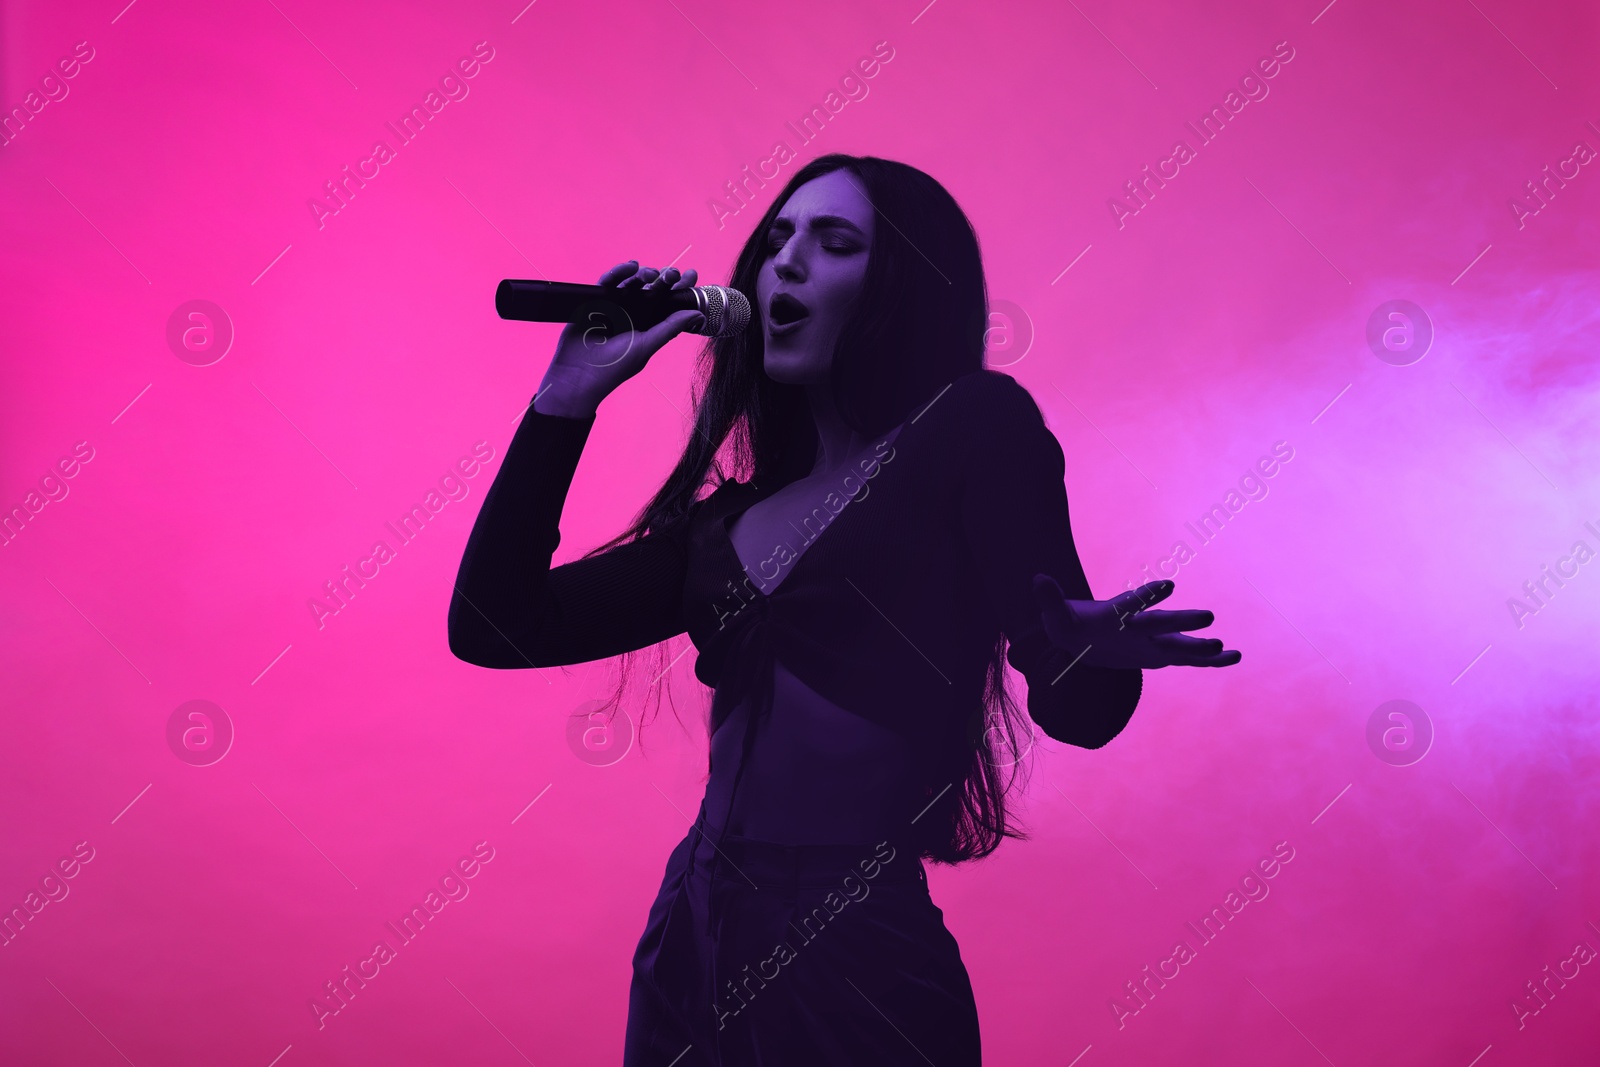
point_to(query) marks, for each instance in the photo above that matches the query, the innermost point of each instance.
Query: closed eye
(838, 248)
(834, 233)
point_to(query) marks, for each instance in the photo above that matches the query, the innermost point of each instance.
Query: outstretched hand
(1120, 632)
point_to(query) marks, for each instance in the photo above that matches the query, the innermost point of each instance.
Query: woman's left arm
(1013, 505)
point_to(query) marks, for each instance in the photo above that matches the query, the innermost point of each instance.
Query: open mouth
(785, 310)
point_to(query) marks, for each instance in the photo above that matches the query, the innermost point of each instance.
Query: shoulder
(992, 432)
(984, 396)
(704, 508)
(987, 410)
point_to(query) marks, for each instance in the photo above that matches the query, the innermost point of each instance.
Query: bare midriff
(817, 774)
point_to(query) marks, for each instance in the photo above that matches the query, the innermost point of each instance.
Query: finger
(1182, 643)
(670, 327)
(1135, 600)
(619, 272)
(1141, 597)
(1182, 651)
(644, 274)
(665, 279)
(688, 280)
(1165, 622)
(1154, 592)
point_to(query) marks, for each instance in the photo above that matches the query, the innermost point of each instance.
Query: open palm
(1121, 632)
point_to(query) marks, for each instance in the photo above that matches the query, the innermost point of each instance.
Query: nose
(788, 263)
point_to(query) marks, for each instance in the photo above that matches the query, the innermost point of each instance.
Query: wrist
(559, 396)
(550, 403)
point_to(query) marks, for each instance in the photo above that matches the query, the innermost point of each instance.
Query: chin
(794, 368)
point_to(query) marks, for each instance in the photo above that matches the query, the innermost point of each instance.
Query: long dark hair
(917, 325)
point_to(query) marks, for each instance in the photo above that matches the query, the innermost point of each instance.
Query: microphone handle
(539, 301)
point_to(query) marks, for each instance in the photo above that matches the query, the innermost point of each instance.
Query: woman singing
(902, 533)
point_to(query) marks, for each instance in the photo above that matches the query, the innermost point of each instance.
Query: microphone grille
(727, 311)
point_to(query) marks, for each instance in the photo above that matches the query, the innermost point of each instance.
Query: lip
(774, 329)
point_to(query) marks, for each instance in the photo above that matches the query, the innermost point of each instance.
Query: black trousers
(760, 953)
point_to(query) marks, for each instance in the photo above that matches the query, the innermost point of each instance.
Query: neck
(836, 441)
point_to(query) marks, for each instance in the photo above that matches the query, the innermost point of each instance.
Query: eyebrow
(822, 222)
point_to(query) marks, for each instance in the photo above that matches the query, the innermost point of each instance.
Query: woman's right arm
(510, 609)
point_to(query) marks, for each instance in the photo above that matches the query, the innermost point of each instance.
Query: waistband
(772, 865)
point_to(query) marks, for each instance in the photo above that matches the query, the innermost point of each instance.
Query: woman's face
(816, 265)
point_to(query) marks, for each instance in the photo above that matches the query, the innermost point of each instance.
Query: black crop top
(890, 612)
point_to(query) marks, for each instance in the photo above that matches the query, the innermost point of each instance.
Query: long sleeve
(1014, 513)
(510, 609)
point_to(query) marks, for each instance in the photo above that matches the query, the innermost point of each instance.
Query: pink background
(1223, 317)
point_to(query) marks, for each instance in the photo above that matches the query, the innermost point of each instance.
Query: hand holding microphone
(603, 344)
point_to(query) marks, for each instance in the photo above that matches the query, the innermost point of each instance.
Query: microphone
(726, 311)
